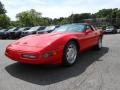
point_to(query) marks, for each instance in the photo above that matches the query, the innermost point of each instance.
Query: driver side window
(89, 27)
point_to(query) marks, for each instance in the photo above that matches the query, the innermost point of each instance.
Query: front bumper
(1, 36)
(17, 56)
(14, 35)
(108, 31)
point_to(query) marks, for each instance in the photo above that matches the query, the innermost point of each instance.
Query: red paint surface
(39, 44)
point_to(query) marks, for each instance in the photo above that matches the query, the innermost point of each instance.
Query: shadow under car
(49, 74)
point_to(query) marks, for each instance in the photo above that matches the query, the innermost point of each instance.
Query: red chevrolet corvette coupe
(59, 47)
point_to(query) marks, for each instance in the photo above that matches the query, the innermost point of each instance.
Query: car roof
(3, 30)
(12, 29)
(37, 28)
(77, 24)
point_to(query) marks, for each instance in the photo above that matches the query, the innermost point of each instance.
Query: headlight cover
(48, 54)
(30, 56)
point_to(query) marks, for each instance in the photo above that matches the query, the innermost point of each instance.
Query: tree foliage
(2, 10)
(29, 18)
(112, 15)
(32, 18)
(77, 18)
(4, 19)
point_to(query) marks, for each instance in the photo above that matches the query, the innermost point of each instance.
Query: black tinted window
(41, 28)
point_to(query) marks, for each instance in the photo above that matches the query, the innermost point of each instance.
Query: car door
(89, 36)
(81, 36)
(96, 35)
(85, 38)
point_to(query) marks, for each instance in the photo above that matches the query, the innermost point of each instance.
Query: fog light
(31, 56)
(46, 55)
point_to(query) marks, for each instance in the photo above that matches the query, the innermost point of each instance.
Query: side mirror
(88, 31)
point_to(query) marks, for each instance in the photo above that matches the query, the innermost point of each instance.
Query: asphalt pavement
(95, 70)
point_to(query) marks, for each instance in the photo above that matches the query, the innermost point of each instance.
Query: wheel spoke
(71, 53)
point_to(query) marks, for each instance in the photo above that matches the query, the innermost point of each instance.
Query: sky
(57, 8)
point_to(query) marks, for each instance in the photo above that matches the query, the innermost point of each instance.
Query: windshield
(24, 29)
(21, 29)
(50, 28)
(13, 29)
(3, 30)
(41, 28)
(34, 28)
(110, 27)
(70, 28)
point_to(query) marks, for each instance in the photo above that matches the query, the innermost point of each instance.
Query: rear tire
(70, 54)
(99, 44)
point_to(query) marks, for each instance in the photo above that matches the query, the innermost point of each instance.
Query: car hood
(27, 31)
(39, 40)
(9, 31)
(1, 31)
(109, 29)
(30, 30)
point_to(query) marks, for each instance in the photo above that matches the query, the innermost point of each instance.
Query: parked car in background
(48, 29)
(9, 33)
(118, 30)
(17, 33)
(2, 33)
(59, 47)
(32, 30)
(110, 29)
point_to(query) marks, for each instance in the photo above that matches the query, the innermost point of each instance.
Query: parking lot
(95, 70)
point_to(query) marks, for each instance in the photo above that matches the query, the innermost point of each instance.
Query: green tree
(112, 15)
(104, 13)
(14, 24)
(45, 21)
(4, 21)
(64, 21)
(2, 10)
(29, 18)
(118, 18)
(77, 18)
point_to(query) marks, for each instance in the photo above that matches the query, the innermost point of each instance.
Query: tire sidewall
(100, 43)
(64, 59)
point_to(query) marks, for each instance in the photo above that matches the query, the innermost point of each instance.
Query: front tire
(70, 53)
